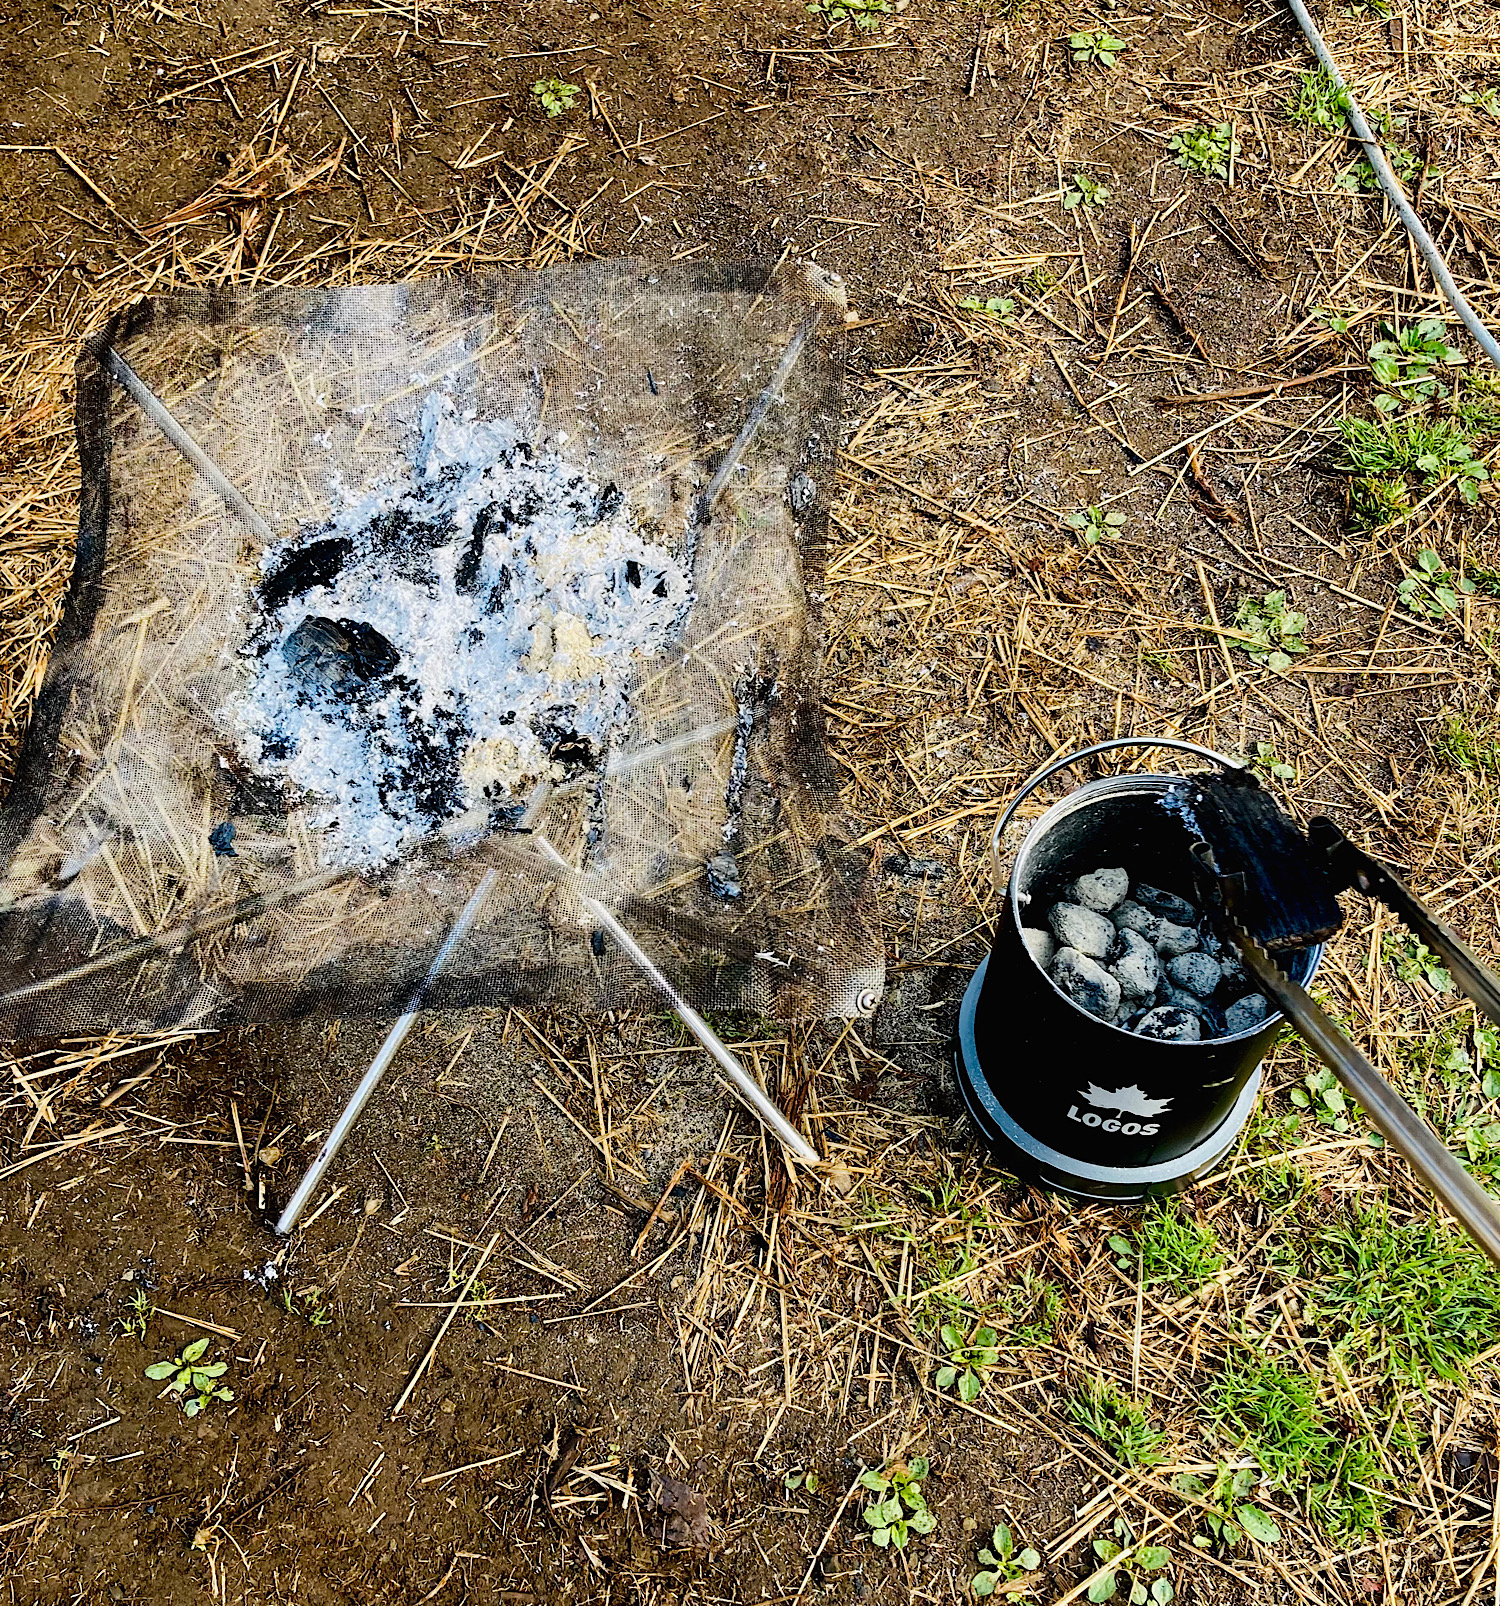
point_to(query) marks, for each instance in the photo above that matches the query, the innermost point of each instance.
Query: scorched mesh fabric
(379, 590)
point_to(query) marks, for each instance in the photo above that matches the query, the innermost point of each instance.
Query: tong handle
(1352, 867)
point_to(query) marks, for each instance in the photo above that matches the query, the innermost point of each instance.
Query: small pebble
(1102, 891)
(1076, 927)
(1248, 1012)
(1131, 917)
(1172, 939)
(1041, 945)
(1169, 1025)
(1166, 904)
(1137, 969)
(1196, 972)
(1087, 983)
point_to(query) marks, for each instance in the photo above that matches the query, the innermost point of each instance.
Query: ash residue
(451, 637)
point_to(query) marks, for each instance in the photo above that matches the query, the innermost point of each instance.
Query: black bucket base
(1034, 1162)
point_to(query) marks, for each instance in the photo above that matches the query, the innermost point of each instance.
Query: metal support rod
(754, 1097)
(381, 1063)
(162, 416)
(1392, 1116)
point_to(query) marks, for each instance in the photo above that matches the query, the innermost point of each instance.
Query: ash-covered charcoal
(1101, 890)
(1041, 945)
(1123, 954)
(723, 873)
(1083, 929)
(1086, 982)
(1168, 1025)
(910, 869)
(467, 628)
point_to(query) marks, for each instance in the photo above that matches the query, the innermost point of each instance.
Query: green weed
(969, 1360)
(1028, 1311)
(1118, 1423)
(1208, 151)
(1002, 1563)
(1085, 192)
(1470, 746)
(1174, 1249)
(1407, 360)
(864, 14)
(1132, 1566)
(899, 1509)
(1413, 960)
(1275, 631)
(1096, 47)
(1486, 100)
(1000, 308)
(1093, 524)
(1269, 766)
(1235, 1519)
(139, 1308)
(195, 1385)
(1319, 102)
(554, 95)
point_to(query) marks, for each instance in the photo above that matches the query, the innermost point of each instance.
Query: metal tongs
(1234, 899)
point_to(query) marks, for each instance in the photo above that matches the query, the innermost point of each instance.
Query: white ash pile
(1144, 960)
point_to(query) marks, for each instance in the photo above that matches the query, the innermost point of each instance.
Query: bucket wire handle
(1053, 766)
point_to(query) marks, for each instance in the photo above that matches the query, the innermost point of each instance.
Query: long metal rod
(161, 415)
(1392, 1116)
(382, 1061)
(175, 937)
(1388, 181)
(756, 1100)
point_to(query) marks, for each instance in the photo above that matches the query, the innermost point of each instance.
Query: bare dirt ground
(642, 1294)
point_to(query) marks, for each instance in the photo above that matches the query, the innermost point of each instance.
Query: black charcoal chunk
(338, 656)
(910, 869)
(1166, 904)
(1247, 1012)
(1196, 972)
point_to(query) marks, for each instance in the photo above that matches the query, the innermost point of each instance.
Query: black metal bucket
(1062, 1097)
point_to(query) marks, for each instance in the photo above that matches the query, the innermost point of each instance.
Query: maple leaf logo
(1127, 1100)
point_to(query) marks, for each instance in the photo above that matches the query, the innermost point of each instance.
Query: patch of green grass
(1028, 1311)
(1085, 192)
(1209, 150)
(866, 15)
(1274, 1414)
(1413, 1299)
(1319, 102)
(1118, 1423)
(1470, 745)
(1274, 631)
(139, 1308)
(1396, 450)
(1175, 1249)
(1095, 47)
(554, 95)
(1093, 524)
